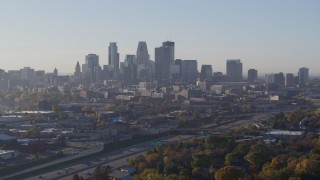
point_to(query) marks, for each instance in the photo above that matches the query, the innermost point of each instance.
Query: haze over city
(271, 36)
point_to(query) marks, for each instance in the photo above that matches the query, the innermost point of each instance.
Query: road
(115, 159)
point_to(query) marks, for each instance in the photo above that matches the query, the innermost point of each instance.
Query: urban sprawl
(161, 119)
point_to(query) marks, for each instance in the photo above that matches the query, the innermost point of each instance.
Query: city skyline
(269, 36)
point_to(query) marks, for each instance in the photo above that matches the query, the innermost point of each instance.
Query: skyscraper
(130, 69)
(77, 71)
(290, 80)
(279, 79)
(162, 63)
(114, 59)
(303, 75)
(206, 73)
(142, 53)
(91, 68)
(170, 45)
(234, 70)
(252, 75)
(189, 71)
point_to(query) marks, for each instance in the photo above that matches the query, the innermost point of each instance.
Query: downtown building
(234, 70)
(145, 67)
(303, 76)
(162, 59)
(189, 71)
(91, 70)
(252, 75)
(206, 73)
(113, 60)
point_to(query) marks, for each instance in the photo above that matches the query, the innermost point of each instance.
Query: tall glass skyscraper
(114, 56)
(170, 46)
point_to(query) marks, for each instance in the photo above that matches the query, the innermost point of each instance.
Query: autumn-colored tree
(317, 112)
(296, 116)
(258, 155)
(309, 168)
(97, 173)
(232, 158)
(148, 174)
(75, 177)
(229, 173)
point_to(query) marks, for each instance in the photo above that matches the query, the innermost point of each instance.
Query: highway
(115, 159)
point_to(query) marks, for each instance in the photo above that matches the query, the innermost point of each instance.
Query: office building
(130, 69)
(189, 71)
(91, 69)
(170, 45)
(290, 81)
(162, 64)
(113, 59)
(28, 75)
(252, 75)
(77, 70)
(142, 53)
(234, 70)
(303, 75)
(206, 73)
(279, 79)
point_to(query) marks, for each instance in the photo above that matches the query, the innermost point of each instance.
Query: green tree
(228, 173)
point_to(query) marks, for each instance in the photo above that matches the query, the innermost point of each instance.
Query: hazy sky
(269, 35)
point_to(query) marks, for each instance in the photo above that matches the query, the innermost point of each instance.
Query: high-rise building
(142, 53)
(130, 69)
(252, 75)
(170, 45)
(279, 79)
(269, 78)
(77, 71)
(28, 74)
(234, 70)
(91, 69)
(189, 71)
(114, 59)
(206, 73)
(303, 75)
(55, 71)
(290, 82)
(92, 60)
(162, 63)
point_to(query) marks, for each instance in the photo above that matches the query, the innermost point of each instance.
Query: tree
(296, 116)
(317, 112)
(97, 173)
(232, 158)
(171, 168)
(258, 155)
(106, 171)
(148, 174)
(56, 108)
(309, 169)
(228, 173)
(75, 177)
